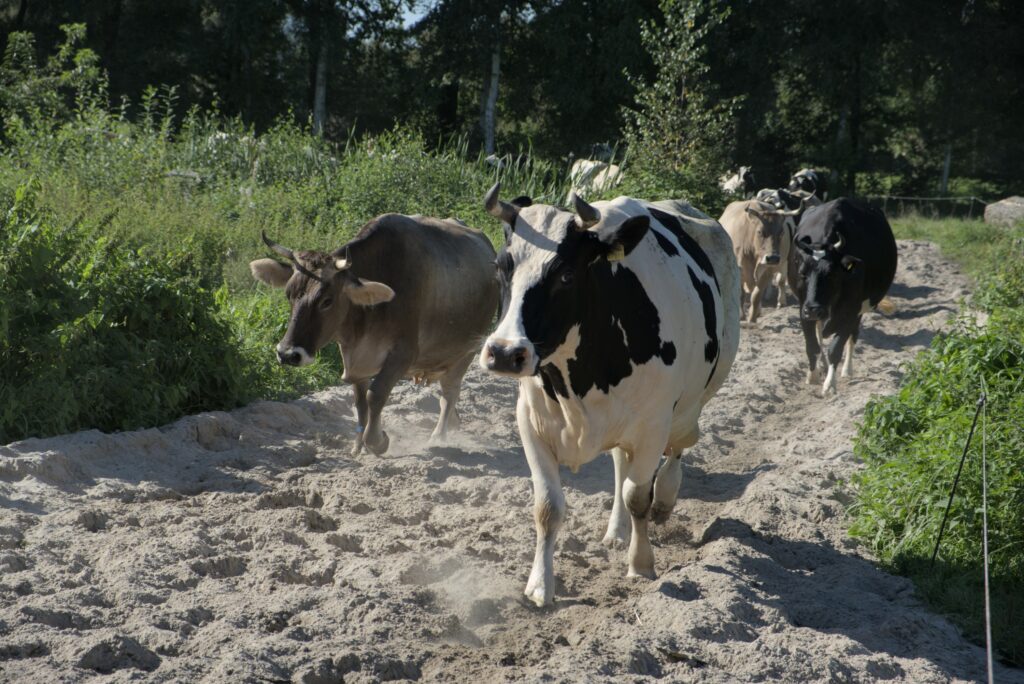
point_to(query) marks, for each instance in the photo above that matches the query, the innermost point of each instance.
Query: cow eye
(566, 277)
(326, 303)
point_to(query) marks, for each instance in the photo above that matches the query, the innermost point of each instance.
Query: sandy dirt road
(250, 547)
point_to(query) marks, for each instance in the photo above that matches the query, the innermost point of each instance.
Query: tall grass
(173, 212)
(911, 444)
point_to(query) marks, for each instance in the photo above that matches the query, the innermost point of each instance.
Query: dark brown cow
(409, 296)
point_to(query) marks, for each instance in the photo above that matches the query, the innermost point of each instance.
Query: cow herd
(619, 320)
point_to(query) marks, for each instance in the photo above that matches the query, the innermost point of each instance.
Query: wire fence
(930, 207)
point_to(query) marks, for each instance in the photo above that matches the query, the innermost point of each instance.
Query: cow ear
(271, 272)
(368, 292)
(850, 263)
(522, 201)
(620, 242)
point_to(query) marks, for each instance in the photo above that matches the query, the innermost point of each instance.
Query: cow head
(769, 232)
(746, 174)
(824, 272)
(321, 290)
(805, 180)
(545, 269)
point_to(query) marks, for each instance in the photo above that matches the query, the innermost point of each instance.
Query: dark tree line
(887, 95)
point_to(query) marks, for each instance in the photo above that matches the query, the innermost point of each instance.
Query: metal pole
(952, 491)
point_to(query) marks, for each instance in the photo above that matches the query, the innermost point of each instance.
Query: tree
(678, 135)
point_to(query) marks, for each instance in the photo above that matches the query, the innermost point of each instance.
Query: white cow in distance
(591, 177)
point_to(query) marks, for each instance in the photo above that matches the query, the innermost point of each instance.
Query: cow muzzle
(813, 312)
(293, 356)
(771, 259)
(508, 357)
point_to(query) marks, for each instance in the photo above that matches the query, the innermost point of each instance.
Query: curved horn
(283, 251)
(792, 212)
(342, 261)
(588, 215)
(838, 244)
(803, 244)
(498, 208)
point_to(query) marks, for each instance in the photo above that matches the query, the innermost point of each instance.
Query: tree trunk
(945, 169)
(320, 88)
(491, 99)
(19, 21)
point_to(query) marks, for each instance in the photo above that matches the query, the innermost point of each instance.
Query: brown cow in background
(761, 244)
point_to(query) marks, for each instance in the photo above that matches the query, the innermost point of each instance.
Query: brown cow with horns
(409, 296)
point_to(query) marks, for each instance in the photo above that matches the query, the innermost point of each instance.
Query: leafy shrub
(878, 183)
(94, 334)
(975, 187)
(911, 443)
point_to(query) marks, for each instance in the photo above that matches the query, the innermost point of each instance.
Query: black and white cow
(741, 183)
(843, 263)
(809, 181)
(620, 320)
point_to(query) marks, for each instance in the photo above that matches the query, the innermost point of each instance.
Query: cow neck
(618, 329)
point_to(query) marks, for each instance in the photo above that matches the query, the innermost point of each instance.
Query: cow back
(442, 272)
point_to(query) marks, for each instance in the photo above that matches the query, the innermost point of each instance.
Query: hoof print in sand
(118, 653)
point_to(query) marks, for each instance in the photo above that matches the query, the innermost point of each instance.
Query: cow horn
(588, 215)
(499, 208)
(838, 244)
(343, 262)
(285, 252)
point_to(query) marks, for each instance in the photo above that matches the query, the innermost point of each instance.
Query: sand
(250, 547)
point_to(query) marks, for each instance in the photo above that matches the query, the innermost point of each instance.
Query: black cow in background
(843, 263)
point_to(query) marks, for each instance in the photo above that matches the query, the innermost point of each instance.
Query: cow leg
(617, 535)
(780, 285)
(637, 493)
(749, 286)
(360, 389)
(763, 278)
(548, 509)
(835, 353)
(851, 342)
(813, 347)
(451, 386)
(666, 487)
(395, 367)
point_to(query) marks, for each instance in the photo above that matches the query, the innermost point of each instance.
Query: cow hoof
(538, 595)
(645, 573)
(660, 512)
(357, 448)
(615, 541)
(382, 447)
(813, 377)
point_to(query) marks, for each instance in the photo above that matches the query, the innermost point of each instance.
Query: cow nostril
(519, 357)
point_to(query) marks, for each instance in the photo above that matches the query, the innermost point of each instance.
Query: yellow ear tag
(849, 266)
(617, 254)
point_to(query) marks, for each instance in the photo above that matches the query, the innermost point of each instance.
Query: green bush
(94, 334)
(975, 187)
(149, 280)
(912, 442)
